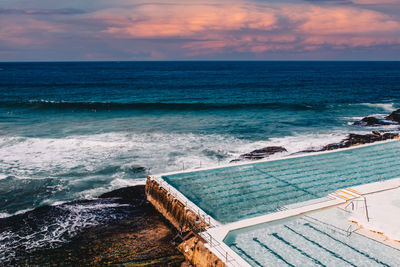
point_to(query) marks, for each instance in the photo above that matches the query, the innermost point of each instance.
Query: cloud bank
(205, 29)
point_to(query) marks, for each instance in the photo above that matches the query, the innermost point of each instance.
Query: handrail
(224, 254)
(171, 190)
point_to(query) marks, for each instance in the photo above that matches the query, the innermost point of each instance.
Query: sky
(76, 30)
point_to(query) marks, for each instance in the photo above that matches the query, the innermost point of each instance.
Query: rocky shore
(142, 238)
(351, 140)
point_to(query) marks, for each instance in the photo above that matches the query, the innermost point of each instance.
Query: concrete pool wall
(187, 216)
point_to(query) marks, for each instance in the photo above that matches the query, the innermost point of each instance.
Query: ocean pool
(321, 238)
(243, 191)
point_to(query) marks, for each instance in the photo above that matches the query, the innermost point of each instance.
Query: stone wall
(186, 221)
(172, 209)
(198, 254)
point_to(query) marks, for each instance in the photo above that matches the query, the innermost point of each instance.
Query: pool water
(320, 238)
(233, 193)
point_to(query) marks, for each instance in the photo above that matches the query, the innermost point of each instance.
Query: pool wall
(174, 210)
(198, 247)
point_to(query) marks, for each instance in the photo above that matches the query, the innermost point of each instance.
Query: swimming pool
(233, 193)
(319, 238)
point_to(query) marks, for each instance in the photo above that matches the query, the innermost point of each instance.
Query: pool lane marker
(347, 245)
(353, 190)
(334, 254)
(341, 196)
(255, 239)
(342, 191)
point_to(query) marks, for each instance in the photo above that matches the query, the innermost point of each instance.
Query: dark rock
(263, 152)
(376, 132)
(127, 194)
(367, 121)
(357, 139)
(394, 116)
(372, 121)
(387, 136)
(135, 235)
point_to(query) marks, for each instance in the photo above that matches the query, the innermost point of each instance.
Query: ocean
(72, 131)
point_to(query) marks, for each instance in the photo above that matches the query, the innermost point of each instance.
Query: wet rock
(376, 132)
(394, 116)
(262, 153)
(367, 121)
(358, 139)
(372, 121)
(387, 136)
(141, 238)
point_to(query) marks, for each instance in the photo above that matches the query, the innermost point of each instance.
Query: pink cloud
(184, 20)
(204, 27)
(254, 27)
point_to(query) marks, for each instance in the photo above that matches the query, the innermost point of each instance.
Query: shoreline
(142, 238)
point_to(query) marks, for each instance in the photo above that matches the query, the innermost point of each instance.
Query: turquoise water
(316, 239)
(233, 193)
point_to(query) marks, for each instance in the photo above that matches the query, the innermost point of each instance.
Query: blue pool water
(238, 192)
(316, 239)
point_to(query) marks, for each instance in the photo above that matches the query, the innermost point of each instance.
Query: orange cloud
(196, 27)
(253, 27)
(184, 20)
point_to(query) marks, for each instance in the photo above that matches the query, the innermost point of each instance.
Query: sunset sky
(49, 30)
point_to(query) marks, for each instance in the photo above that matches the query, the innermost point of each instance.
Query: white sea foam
(5, 214)
(86, 166)
(385, 106)
(53, 231)
(118, 183)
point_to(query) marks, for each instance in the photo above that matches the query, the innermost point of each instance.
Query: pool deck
(216, 231)
(355, 192)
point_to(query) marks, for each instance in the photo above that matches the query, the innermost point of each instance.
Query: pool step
(346, 194)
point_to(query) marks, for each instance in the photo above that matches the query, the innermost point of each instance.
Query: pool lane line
(277, 236)
(255, 239)
(247, 255)
(286, 182)
(320, 246)
(347, 245)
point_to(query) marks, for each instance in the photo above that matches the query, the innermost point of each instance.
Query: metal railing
(223, 253)
(171, 190)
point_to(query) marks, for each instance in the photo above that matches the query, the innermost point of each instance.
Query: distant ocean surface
(72, 131)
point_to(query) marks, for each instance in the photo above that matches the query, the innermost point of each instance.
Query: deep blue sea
(75, 130)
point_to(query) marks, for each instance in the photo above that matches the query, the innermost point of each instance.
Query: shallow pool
(321, 238)
(237, 192)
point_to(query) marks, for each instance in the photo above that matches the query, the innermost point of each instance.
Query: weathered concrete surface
(186, 221)
(172, 209)
(198, 254)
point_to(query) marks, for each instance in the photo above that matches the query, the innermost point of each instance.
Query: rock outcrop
(394, 116)
(142, 238)
(261, 153)
(354, 139)
(372, 121)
